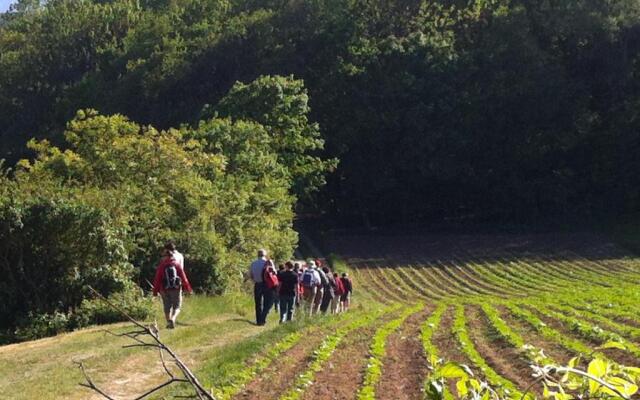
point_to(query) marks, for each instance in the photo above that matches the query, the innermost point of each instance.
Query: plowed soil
(500, 355)
(282, 372)
(343, 373)
(405, 365)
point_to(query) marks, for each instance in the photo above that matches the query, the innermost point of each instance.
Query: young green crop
(326, 349)
(401, 285)
(587, 315)
(553, 335)
(377, 352)
(588, 331)
(419, 273)
(431, 351)
(468, 348)
(532, 353)
(239, 377)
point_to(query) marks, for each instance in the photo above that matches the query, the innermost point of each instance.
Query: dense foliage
(97, 211)
(484, 109)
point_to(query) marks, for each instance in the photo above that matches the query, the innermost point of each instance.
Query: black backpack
(171, 278)
(324, 281)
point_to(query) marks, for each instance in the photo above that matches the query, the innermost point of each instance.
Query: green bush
(51, 249)
(95, 311)
(35, 326)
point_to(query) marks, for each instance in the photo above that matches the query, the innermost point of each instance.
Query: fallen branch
(153, 334)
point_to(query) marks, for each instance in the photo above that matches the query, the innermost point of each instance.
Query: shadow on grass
(248, 321)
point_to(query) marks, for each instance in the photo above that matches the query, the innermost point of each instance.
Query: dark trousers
(286, 308)
(264, 300)
(326, 299)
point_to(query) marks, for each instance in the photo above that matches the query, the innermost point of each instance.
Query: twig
(594, 378)
(151, 331)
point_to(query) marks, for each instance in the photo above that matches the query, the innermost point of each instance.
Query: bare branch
(164, 364)
(90, 383)
(151, 331)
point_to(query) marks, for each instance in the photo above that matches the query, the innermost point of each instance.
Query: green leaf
(573, 362)
(612, 345)
(632, 370)
(451, 370)
(597, 368)
(461, 387)
(563, 396)
(622, 385)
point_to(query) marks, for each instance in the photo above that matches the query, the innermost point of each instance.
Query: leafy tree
(281, 105)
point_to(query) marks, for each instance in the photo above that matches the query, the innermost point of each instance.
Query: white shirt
(178, 257)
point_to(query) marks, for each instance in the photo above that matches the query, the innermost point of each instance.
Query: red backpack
(339, 287)
(270, 277)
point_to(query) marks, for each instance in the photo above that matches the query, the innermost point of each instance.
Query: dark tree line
(489, 109)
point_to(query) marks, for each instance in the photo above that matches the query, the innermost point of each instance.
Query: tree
(281, 105)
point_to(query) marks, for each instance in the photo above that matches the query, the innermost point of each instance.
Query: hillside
(472, 299)
(483, 110)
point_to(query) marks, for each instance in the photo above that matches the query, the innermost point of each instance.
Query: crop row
(326, 349)
(409, 284)
(377, 352)
(468, 348)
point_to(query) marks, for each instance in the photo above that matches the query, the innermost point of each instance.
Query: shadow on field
(243, 320)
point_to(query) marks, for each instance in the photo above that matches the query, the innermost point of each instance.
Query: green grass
(215, 336)
(217, 339)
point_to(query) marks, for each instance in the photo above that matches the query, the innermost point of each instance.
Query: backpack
(270, 278)
(171, 278)
(323, 279)
(307, 278)
(339, 287)
(346, 283)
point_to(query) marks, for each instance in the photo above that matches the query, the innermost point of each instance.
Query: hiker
(329, 289)
(298, 272)
(169, 281)
(262, 295)
(175, 253)
(288, 291)
(336, 304)
(324, 288)
(310, 285)
(348, 289)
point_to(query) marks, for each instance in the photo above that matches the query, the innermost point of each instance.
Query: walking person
(262, 296)
(348, 289)
(298, 271)
(288, 291)
(276, 298)
(310, 284)
(329, 290)
(336, 303)
(324, 291)
(169, 282)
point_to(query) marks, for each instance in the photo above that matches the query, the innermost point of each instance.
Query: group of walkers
(308, 286)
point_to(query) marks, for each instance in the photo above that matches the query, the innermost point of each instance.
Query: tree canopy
(437, 109)
(97, 209)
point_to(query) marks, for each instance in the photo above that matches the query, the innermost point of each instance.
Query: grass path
(44, 369)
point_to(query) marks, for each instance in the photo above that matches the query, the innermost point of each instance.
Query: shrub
(35, 326)
(95, 311)
(51, 249)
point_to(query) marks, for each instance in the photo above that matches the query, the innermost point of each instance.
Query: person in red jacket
(170, 280)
